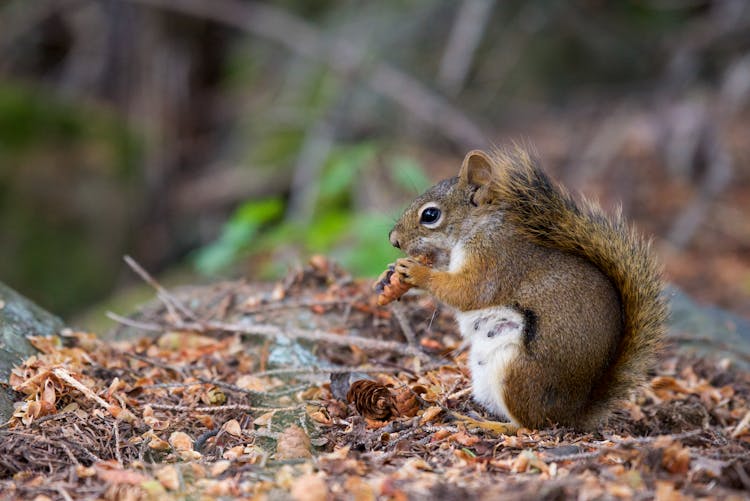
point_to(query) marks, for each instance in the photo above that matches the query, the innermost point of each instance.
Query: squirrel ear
(476, 169)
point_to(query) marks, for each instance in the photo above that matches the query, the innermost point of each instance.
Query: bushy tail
(549, 216)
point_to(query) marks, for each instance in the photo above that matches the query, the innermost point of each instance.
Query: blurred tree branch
(20, 17)
(463, 42)
(344, 57)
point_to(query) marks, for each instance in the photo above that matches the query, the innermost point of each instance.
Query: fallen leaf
(293, 443)
(181, 441)
(430, 413)
(464, 438)
(666, 491)
(220, 467)
(169, 477)
(310, 487)
(110, 471)
(234, 452)
(233, 428)
(676, 459)
(264, 419)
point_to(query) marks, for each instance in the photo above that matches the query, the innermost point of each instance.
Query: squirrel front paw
(413, 272)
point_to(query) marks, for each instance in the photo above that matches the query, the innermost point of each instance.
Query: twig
(647, 440)
(155, 363)
(403, 322)
(742, 425)
(271, 331)
(220, 408)
(292, 305)
(146, 326)
(63, 493)
(744, 478)
(65, 376)
(256, 393)
(172, 303)
(459, 393)
(327, 370)
(118, 456)
(573, 457)
(69, 453)
(344, 57)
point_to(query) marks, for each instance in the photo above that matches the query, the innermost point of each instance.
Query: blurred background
(233, 138)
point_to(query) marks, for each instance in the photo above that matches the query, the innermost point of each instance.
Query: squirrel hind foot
(493, 427)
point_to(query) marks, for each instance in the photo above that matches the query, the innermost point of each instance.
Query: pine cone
(372, 399)
(390, 287)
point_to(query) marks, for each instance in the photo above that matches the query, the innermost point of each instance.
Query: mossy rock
(19, 318)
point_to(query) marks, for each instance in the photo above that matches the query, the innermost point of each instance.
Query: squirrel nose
(393, 237)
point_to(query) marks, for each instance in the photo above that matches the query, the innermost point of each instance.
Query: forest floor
(306, 389)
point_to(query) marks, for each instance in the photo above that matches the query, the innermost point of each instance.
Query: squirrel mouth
(428, 258)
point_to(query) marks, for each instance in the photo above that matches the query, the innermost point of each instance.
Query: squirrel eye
(429, 215)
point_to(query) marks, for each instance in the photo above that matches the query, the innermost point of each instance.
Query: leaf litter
(306, 389)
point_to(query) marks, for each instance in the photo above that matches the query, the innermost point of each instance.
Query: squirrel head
(446, 213)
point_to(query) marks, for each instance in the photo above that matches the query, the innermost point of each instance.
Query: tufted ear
(476, 169)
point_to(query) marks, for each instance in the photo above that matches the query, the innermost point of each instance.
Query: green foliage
(358, 240)
(238, 234)
(68, 172)
(31, 119)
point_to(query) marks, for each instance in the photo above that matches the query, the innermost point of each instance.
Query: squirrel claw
(412, 272)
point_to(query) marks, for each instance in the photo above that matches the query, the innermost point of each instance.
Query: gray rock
(19, 318)
(707, 329)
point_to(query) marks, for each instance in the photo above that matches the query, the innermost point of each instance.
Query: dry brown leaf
(320, 263)
(264, 419)
(278, 293)
(359, 489)
(676, 458)
(151, 421)
(406, 402)
(158, 444)
(464, 439)
(111, 472)
(220, 467)
(217, 488)
(666, 386)
(252, 383)
(213, 396)
(169, 477)
(319, 415)
(233, 428)
(182, 340)
(430, 413)
(85, 471)
(181, 441)
(310, 487)
(234, 453)
(666, 491)
(619, 491)
(293, 443)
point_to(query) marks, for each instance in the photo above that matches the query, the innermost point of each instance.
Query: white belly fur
(495, 336)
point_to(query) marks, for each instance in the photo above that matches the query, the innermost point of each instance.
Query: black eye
(429, 215)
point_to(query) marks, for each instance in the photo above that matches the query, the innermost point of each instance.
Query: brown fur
(589, 285)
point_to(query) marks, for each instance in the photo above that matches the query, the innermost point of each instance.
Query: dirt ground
(219, 400)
